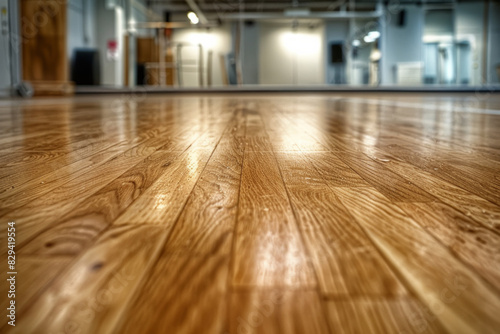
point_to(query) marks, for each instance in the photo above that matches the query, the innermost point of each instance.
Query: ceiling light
(374, 34)
(368, 39)
(356, 42)
(193, 17)
(297, 12)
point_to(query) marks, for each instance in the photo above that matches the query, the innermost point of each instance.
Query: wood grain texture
(183, 294)
(35, 275)
(268, 250)
(335, 171)
(163, 201)
(44, 41)
(253, 213)
(399, 315)
(276, 311)
(388, 183)
(34, 217)
(92, 293)
(466, 304)
(471, 242)
(345, 260)
(471, 205)
(207, 221)
(70, 234)
(483, 184)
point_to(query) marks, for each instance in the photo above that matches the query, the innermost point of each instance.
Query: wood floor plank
(163, 201)
(277, 311)
(184, 294)
(73, 232)
(34, 275)
(462, 301)
(253, 213)
(18, 192)
(471, 242)
(42, 212)
(335, 171)
(92, 293)
(388, 183)
(206, 223)
(268, 250)
(470, 181)
(344, 258)
(149, 142)
(255, 135)
(469, 204)
(27, 164)
(292, 136)
(372, 316)
(34, 217)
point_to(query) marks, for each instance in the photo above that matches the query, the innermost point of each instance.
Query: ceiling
(210, 7)
(221, 10)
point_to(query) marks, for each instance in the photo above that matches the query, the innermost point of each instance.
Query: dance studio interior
(250, 166)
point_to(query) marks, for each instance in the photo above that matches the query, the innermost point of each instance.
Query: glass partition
(213, 44)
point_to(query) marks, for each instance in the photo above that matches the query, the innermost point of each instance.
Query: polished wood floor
(240, 214)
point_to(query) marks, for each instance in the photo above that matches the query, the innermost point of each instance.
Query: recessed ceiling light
(193, 17)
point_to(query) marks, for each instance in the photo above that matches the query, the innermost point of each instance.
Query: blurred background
(59, 47)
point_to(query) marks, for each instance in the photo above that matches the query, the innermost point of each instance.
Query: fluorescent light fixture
(193, 18)
(356, 42)
(374, 34)
(297, 12)
(368, 39)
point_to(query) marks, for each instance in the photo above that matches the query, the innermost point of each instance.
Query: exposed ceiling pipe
(312, 15)
(265, 6)
(170, 25)
(194, 7)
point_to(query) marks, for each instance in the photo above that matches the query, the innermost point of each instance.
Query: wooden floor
(240, 214)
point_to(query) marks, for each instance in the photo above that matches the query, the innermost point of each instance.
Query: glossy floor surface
(230, 214)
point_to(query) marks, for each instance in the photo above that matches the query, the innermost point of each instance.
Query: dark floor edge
(154, 90)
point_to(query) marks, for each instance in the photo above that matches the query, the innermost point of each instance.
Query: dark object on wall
(141, 79)
(85, 69)
(336, 53)
(231, 68)
(429, 80)
(166, 16)
(402, 18)
(354, 53)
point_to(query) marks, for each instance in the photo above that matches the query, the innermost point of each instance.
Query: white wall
(401, 44)
(109, 24)
(439, 22)
(493, 42)
(288, 57)
(250, 54)
(80, 25)
(335, 31)
(469, 26)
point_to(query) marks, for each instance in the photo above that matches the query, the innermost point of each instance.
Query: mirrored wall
(172, 44)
